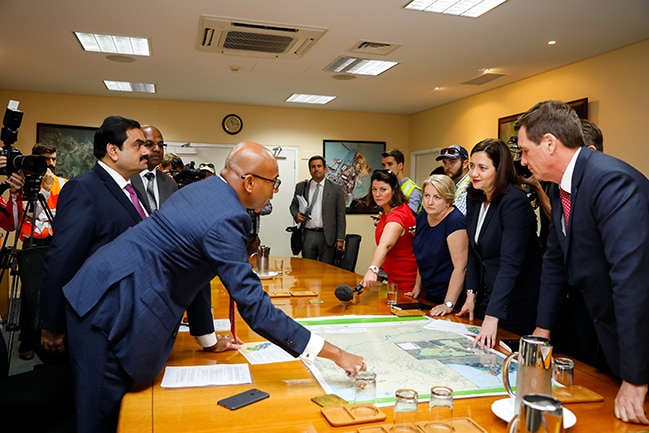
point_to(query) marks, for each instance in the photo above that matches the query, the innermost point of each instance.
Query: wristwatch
(374, 269)
(471, 291)
(449, 304)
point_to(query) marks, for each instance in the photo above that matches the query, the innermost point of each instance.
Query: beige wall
(201, 123)
(616, 84)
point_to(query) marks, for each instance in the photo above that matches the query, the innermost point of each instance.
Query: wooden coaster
(303, 293)
(349, 414)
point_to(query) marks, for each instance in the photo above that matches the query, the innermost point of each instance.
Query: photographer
(11, 211)
(37, 228)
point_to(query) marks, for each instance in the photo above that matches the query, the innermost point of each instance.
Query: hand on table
(224, 343)
(488, 332)
(352, 364)
(468, 307)
(629, 403)
(440, 310)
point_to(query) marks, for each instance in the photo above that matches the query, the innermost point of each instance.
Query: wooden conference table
(291, 386)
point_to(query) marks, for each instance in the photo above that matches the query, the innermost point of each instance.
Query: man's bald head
(249, 170)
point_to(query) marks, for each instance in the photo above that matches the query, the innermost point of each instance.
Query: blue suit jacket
(199, 313)
(92, 210)
(506, 259)
(605, 256)
(154, 270)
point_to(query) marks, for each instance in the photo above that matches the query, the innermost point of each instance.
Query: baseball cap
(453, 151)
(207, 167)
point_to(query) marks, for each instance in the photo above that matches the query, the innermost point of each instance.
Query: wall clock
(232, 124)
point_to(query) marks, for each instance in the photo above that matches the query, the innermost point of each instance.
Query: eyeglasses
(276, 182)
(206, 164)
(151, 144)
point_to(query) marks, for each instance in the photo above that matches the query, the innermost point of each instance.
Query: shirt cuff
(206, 340)
(313, 347)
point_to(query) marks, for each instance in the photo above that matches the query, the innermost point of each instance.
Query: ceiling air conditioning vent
(483, 79)
(229, 36)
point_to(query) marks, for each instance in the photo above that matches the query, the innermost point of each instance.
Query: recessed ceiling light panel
(358, 66)
(465, 8)
(113, 44)
(125, 86)
(310, 99)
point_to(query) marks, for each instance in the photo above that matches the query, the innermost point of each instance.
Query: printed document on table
(264, 352)
(206, 375)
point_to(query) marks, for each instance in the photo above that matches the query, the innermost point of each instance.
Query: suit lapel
(141, 192)
(117, 192)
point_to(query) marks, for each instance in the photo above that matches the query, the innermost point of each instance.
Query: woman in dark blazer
(504, 265)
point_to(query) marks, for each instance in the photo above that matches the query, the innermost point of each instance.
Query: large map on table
(408, 352)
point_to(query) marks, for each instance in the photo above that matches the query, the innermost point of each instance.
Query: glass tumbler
(405, 411)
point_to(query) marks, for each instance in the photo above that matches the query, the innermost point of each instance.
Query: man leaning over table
(125, 303)
(598, 243)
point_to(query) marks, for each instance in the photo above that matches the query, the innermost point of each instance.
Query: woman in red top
(394, 251)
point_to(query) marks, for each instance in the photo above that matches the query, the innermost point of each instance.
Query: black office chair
(350, 256)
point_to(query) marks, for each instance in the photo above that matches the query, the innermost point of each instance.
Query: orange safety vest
(43, 229)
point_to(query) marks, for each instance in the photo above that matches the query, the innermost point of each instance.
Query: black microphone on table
(345, 293)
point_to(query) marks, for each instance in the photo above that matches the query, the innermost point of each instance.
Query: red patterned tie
(233, 321)
(565, 203)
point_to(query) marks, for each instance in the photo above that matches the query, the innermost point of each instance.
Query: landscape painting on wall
(74, 149)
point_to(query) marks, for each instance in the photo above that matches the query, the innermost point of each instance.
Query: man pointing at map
(126, 302)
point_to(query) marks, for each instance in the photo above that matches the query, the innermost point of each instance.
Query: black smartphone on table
(242, 399)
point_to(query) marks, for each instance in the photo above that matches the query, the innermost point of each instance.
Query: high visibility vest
(43, 228)
(408, 187)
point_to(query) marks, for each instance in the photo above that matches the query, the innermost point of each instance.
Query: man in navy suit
(124, 304)
(93, 208)
(157, 187)
(598, 243)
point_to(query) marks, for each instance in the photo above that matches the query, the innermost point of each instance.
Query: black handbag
(296, 239)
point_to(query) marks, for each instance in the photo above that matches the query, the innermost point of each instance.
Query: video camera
(32, 166)
(189, 174)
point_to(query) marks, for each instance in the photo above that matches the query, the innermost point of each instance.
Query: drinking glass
(405, 411)
(440, 410)
(365, 387)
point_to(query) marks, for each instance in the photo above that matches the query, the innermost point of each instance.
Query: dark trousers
(100, 380)
(314, 246)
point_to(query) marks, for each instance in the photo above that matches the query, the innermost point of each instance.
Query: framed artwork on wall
(74, 147)
(350, 164)
(506, 124)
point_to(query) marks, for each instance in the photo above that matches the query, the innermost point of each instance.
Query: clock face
(232, 124)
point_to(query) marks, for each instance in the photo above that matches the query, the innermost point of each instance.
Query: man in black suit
(598, 243)
(152, 184)
(157, 187)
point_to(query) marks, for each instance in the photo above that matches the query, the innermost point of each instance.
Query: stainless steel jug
(539, 414)
(263, 256)
(534, 372)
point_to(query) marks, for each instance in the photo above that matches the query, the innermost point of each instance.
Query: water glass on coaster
(405, 411)
(393, 292)
(563, 371)
(365, 387)
(440, 410)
